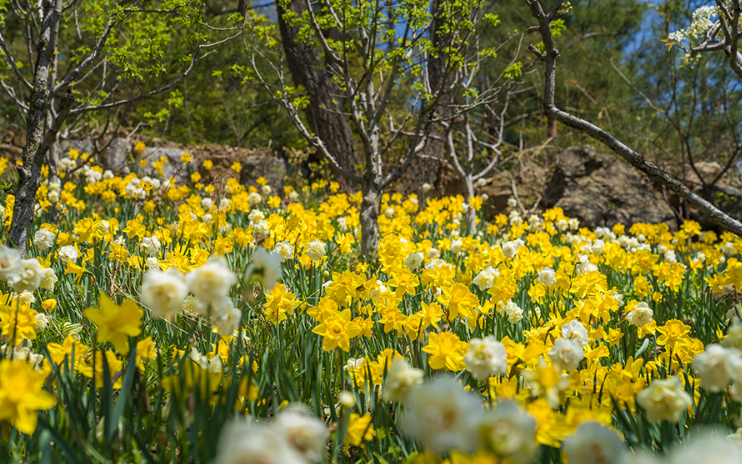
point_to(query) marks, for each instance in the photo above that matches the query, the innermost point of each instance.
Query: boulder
(115, 156)
(530, 181)
(81, 145)
(173, 168)
(272, 168)
(602, 190)
(255, 163)
(710, 169)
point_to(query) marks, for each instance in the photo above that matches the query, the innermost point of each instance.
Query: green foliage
(513, 71)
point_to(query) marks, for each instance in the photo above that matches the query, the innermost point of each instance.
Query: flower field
(159, 323)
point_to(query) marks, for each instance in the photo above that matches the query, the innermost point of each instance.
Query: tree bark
(38, 141)
(471, 213)
(423, 169)
(370, 206)
(325, 112)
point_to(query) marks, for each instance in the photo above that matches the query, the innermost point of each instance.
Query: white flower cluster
(460, 423)
(155, 183)
(486, 278)
(575, 331)
(566, 354)
(604, 235)
(400, 381)
(510, 249)
(91, 175)
(265, 268)
(24, 275)
(54, 191)
(721, 365)
(699, 26)
(511, 309)
(547, 276)
(164, 292)
(664, 399)
(151, 246)
(20, 352)
(584, 265)
(258, 224)
(294, 437)
(134, 189)
(44, 239)
(515, 218)
(65, 164)
(167, 293)
(284, 250)
(68, 253)
(316, 249)
(641, 315)
(254, 198)
(701, 23)
(486, 357)
(593, 443)
(414, 261)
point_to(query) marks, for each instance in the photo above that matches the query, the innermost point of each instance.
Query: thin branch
(551, 54)
(9, 58)
(95, 53)
(164, 88)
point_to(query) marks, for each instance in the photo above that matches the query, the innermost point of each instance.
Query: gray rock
(272, 168)
(115, 156)
(601, 190)
(530, 182)
(173, 168)
(255, 163)
(81, 145)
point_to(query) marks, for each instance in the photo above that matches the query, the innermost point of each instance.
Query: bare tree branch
(11, 61)
(550, 57)
(93, 55)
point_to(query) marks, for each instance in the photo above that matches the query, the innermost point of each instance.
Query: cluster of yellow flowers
(551, 331)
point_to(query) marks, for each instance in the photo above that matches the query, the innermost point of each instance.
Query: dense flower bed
(160, 323)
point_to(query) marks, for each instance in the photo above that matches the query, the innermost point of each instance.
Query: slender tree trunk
(553, 128)
(423, 169)
(38, 139)
(370, 206)
(471, 214)
(54, 157)
(325, 112)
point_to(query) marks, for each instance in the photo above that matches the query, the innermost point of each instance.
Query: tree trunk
(325, 112)
(552, 128)
(54, 157)
(471, 214)
(370, 206)
(37, 142)
(422, 169)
